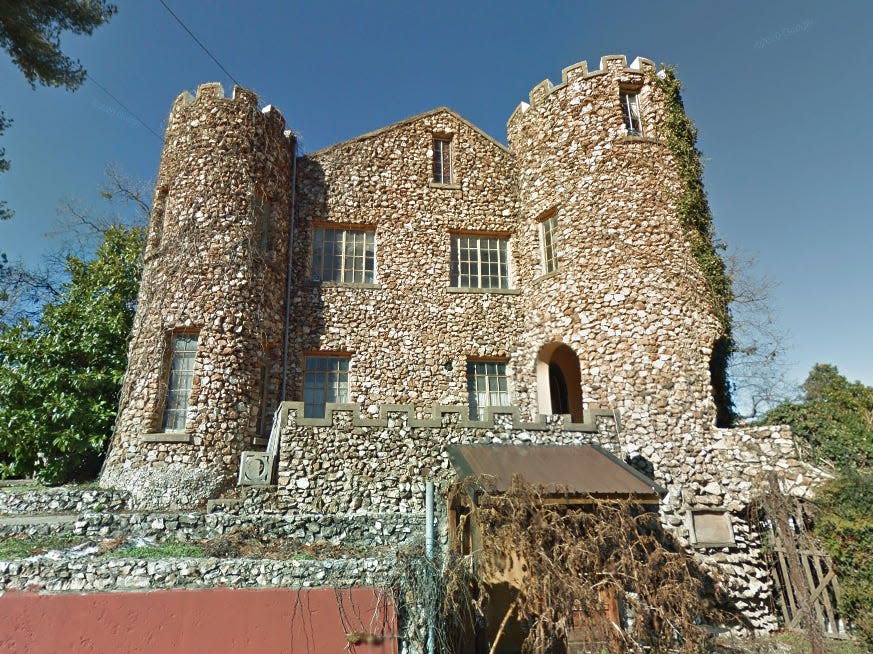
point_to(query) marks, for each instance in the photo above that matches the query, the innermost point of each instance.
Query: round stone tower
(615, 283)
(207, 334)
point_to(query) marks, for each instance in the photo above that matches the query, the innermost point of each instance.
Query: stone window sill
(315, 284)
(547, 275)
(167, 437)
(633, 138)
(446, 187)
(494, 291)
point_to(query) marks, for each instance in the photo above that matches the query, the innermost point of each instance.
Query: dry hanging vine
(568, 564)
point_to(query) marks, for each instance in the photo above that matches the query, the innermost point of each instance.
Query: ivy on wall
(695, 217)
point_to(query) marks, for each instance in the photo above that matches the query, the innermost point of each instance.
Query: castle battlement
(211, 92)
(635, 73)
(441, 415)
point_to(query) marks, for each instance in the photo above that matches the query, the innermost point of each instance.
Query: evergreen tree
(30, 32)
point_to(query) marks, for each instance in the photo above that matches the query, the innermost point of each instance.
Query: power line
(123, 106)
(196, 40)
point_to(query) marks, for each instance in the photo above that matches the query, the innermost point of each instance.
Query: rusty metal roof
(572, 469)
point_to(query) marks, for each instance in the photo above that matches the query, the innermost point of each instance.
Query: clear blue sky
(780, 91)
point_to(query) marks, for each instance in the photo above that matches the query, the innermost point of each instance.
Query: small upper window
(630, 107)
(179, 381)
(548, 243)
(325, 379)
(343, 255)
(479, 261)
(486, 385)
(442, 160)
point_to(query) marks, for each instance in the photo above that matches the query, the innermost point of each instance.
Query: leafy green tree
(59, 378)
(845, 527)
(834, 416)
(30, 32)
(5, 212)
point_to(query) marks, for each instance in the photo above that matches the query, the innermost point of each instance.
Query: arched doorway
(559, 381)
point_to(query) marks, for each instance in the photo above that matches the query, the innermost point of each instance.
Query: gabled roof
(408, 121)
(572, 469)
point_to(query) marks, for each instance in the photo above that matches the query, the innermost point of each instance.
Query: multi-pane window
(343, 255)
(325, 379)
(630, 107)
(179, 381)
(548, 243)
(486, 385)
(479, 261)
(442, 160)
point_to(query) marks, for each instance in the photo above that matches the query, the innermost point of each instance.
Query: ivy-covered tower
(617, 283)
(208, 330)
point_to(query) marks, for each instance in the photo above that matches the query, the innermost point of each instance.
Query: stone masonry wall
(88, 574)
(627, 295)
(349, 462)
(408, 335)
(215, 265)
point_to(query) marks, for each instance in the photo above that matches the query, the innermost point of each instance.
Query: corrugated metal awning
(572, 469)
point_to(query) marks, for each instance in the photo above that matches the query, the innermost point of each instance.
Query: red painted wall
(264, 621)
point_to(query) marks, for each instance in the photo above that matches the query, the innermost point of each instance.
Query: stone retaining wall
(63, 499)
(86, 575)
(368, 530)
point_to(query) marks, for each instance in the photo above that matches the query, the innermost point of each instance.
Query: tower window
(630, 107)
(325, 379)
(486, 385)
(343, 255)
(179, 381)
(442, 160)
(479, 261)
(548, 244)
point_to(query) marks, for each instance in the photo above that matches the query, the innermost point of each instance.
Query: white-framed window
(486, 385)
(180, 378)
(442, 160)
(479, 261)
(325, 379)
(548, 243)
(343, 255)
(630, 107)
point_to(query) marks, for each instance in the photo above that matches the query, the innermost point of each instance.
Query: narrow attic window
(630, 108)
(442, 160)
(548, 243)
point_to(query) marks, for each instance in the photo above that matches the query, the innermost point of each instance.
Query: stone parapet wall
(90, 575)
(350, 463)
(63, 499)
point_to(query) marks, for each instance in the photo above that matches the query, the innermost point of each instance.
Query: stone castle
(333, 322)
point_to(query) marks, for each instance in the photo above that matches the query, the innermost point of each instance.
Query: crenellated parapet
(576, 75)
(210, 95)
(442, 415)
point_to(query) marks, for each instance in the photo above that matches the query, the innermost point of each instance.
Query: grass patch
(160, 551)
(785, 643)
(20, 547)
